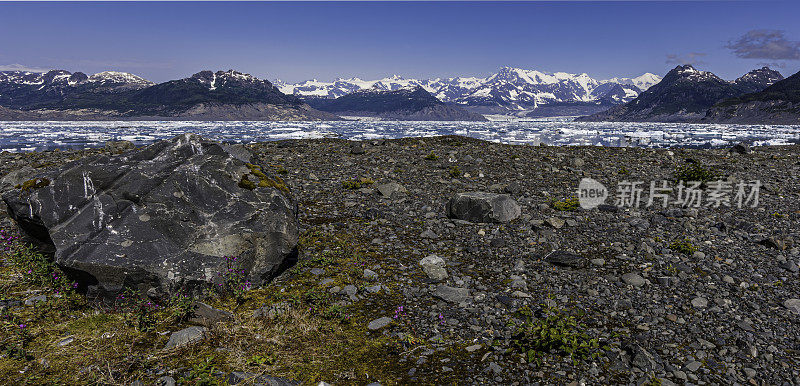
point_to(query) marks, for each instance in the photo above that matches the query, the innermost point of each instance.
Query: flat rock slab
(185, 337)
(162, 216)
(452, 294)
(387, 190)
(565, 259)
(482, 207)
(379, 323)
(209, 316)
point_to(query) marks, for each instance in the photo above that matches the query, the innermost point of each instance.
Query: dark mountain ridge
(684, 95)
(776, 104)
(221, 95)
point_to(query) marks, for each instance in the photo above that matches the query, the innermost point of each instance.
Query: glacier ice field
(37, 136)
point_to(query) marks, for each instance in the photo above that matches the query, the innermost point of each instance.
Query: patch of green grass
(567, 205)
(261, 360)
(432, 156)
(556, 333)
(181, 307)
(202, 373)
(455, 172)
(694, 172)
(683, 246)
(357, 184)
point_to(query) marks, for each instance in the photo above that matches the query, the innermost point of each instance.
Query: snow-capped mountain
(758, 79)
(19, 89)
(412, 103)
(206, 95)
(510, 88)
(685, 94)
(66, 78)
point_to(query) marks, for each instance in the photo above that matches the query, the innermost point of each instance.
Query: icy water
(30, 136)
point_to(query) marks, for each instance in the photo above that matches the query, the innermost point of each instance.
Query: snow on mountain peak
(511, 86)
(118, 77)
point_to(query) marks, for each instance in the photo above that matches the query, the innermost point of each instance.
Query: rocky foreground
(402, 278)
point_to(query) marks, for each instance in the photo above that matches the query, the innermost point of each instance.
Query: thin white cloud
(20, 67)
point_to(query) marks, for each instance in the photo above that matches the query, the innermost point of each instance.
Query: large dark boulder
(483, 207)
(162, 217)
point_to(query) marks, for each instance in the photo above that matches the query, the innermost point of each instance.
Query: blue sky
(298, 41)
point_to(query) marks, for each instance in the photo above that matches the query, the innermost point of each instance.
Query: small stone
(692, 366)
(633, 279)
(639, 223)
(565, 259)
(555, 222)
(790, 266)
(65, 341)
(379, 323)
(166, 381)
(317, 271)
(520, 294)
(699, 302)
(474, 347)
(598, 262)
(429, 234)
(793, 305)
(370, 274)
(357, 148)
(36, 299)
(350, 290)
(434, 267)
(208, 316)
(740, 148)
(387, 190)
(699, 255)
(680, 375)
(186, 336)
(497, 243)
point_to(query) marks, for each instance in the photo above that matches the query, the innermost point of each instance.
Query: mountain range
(221, 95)
(510, 90)
(685, 94)
(411, 103)
(776, 104)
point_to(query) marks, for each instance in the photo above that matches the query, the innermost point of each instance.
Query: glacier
(37, 136)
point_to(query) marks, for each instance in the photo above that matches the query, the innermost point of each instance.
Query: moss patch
(260, 179)
(567, 205)
(36, 183)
